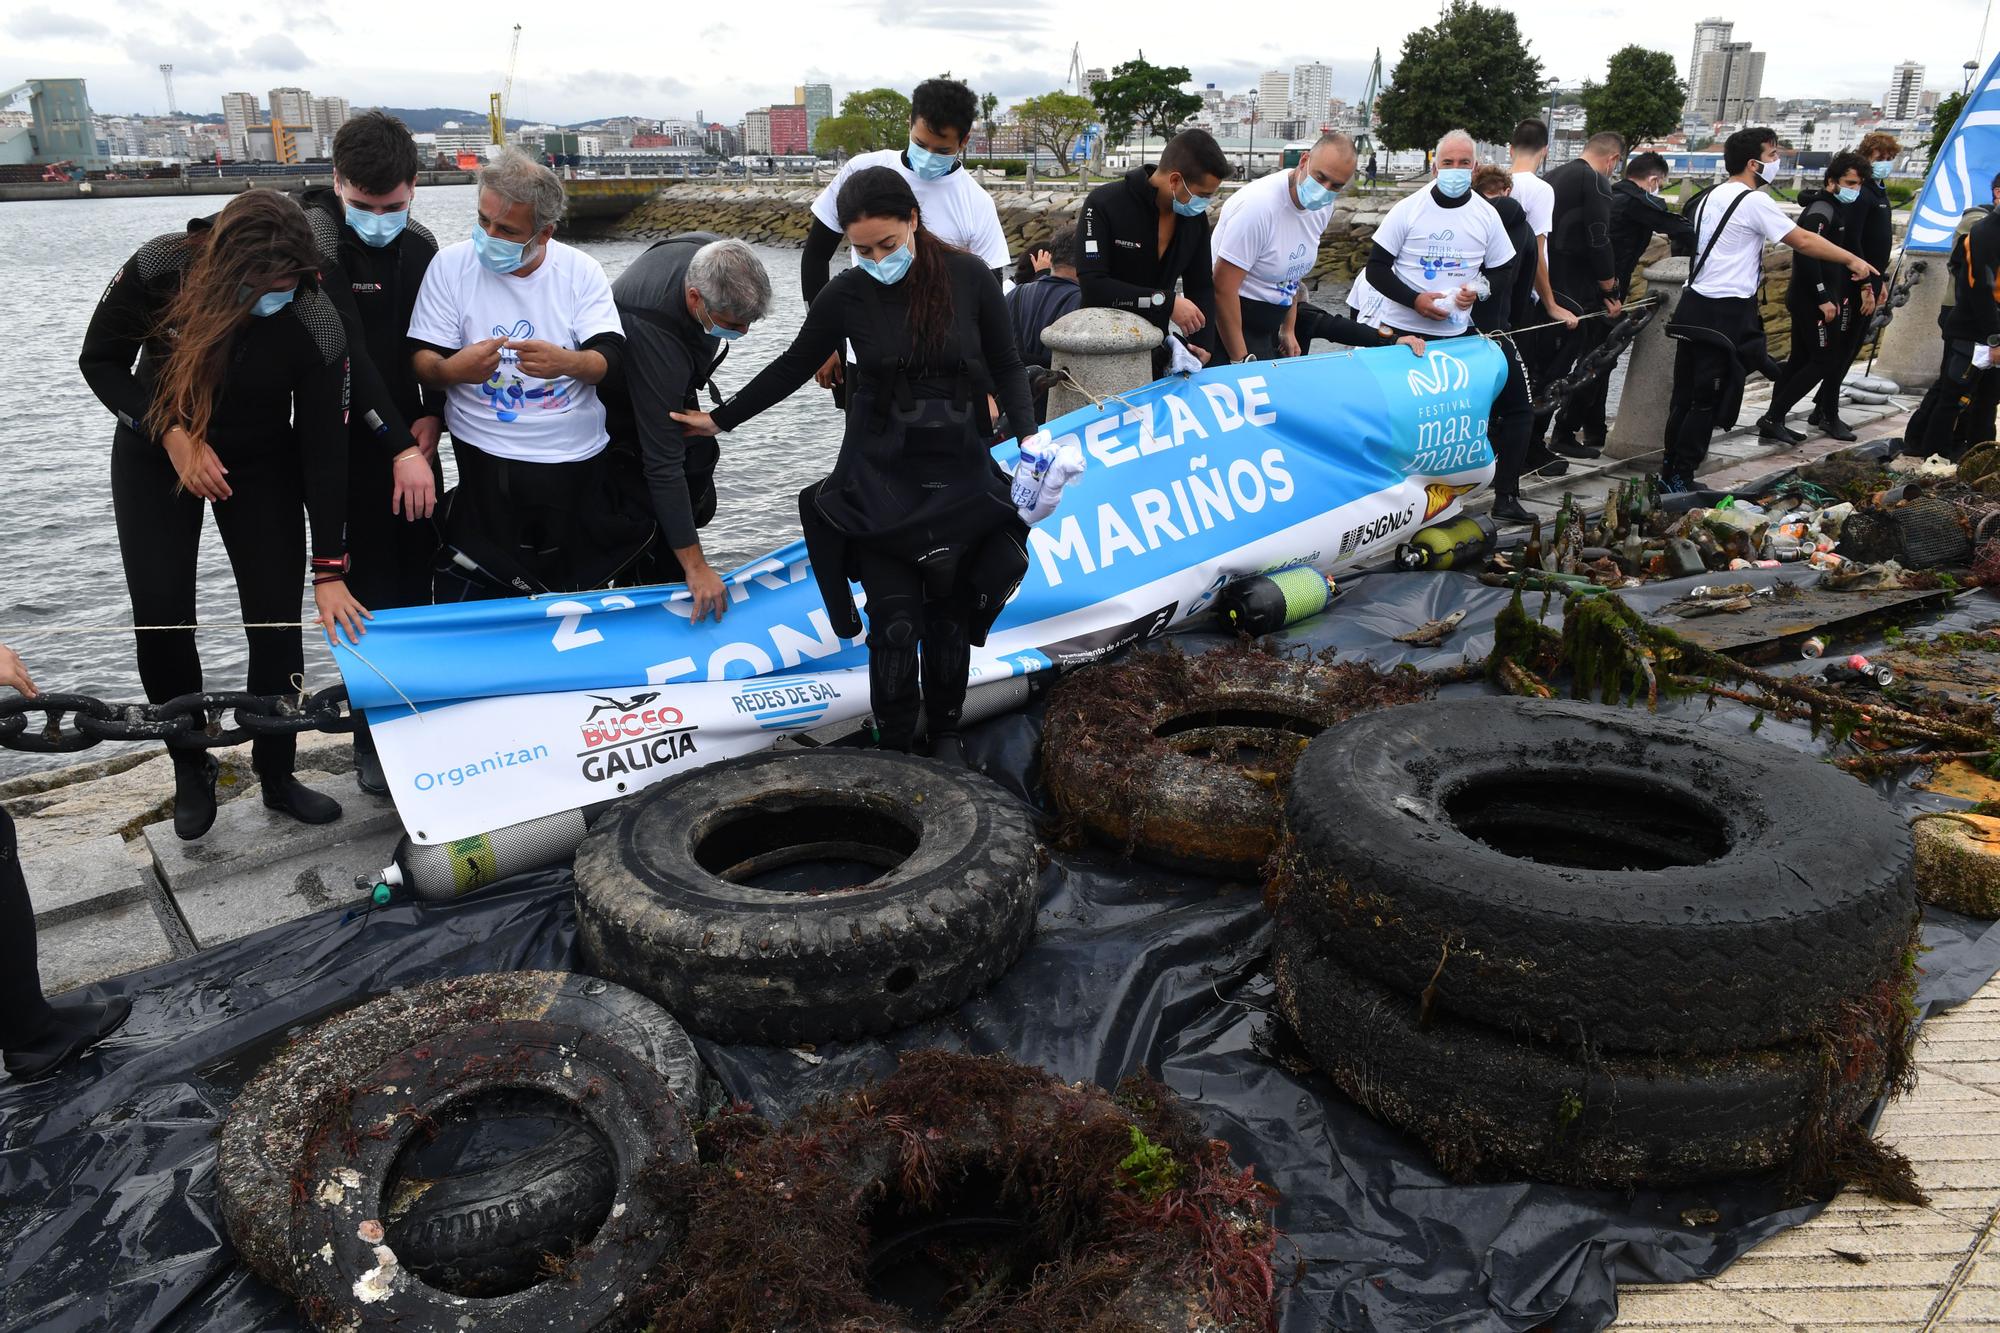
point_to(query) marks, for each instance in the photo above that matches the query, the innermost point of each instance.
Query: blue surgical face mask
(1848, 195)
(499, 255)
(1881, 169)
(377, 229)
(1314, 195)
(1453, 182)
(930, 165)
(270, 303)
(1195, 206)
(889, 269)
(727, 335)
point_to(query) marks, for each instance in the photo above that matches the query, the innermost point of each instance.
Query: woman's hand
(338, 610)
(200, 471)
(696, 423)
(414, 495)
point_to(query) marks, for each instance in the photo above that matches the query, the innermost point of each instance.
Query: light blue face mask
(930, 165)
(377, 229)
(1195, 206)
(496, 254)
(1314, 195)
(270, 303)
(889, 269)
(1848, 195)
(1881, 169)
(1453, 182)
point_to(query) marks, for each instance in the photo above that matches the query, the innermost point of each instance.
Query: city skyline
(572, 73)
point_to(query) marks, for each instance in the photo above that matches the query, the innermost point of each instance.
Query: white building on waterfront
(757, 130)
(1728, 83)
(1709, 35)
(239, 113)
(1274, 95)
(1312, 95)
(1905, 99)
(327, 115)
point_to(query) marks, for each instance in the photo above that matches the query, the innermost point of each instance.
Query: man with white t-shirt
(955, 207)
(1266, 243)
(1717, 321)
(1428, 260)
(518, 329)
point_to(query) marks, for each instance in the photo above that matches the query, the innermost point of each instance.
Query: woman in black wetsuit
(239, 400)
(915, 508)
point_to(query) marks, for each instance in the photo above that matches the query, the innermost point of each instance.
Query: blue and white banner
(489, 713)
(1962, 175)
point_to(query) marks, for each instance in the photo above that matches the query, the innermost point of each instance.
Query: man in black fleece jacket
(1971, 333)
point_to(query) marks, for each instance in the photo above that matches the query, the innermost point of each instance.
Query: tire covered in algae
(1595, 876)
(304, 1087)
(916, 888)
(1488, 1106)
(973, 1194)
(1184, 760)
(348, 1278)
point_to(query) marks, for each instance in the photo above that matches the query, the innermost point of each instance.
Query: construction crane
(1076, 67)
(1364, 142)
(167, 73)
(496, 104)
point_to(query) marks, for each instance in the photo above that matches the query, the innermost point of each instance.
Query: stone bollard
(1106, 351)
(1641, 426)
(1912, 345)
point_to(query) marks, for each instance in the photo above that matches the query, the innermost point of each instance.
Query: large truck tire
(1489, 1106)
(302, 1089)
(940, 867)
(1596, 876)
(1184, 760)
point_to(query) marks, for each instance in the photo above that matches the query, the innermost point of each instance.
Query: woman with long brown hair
(915, 508)
(238, 401)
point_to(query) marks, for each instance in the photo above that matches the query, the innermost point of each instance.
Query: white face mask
(1766, 170)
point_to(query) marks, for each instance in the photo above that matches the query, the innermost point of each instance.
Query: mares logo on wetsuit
(622, 736)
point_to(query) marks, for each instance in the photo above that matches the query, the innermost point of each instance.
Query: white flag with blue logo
(1963, 173)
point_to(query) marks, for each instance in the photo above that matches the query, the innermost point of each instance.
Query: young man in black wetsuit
(1823, 306)
(373, 256)
(1971, 337)
(1137, 238)
(1510, 303)
(1872, 228)
(1975, 418)
(1583, 275)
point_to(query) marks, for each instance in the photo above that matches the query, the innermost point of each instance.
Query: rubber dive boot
(288, 796)
(1509, 508)
(77, 1026)
(946, 748)
(195, 772)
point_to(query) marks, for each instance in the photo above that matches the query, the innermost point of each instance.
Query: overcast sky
(665, 59)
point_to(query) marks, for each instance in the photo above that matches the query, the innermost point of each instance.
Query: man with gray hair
(518, 329)
(682, 303)
(1426, 260)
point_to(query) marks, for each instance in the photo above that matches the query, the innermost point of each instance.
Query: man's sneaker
(1672, 485)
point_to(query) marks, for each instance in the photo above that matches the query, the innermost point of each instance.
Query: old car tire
(289, 1100)
(1595, 875)
(660, 908)
(345, 1274)
(1143, 752)
(1488, 1106)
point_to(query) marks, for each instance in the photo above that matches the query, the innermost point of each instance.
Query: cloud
(274, 50)
(715, 32)
(994, 20)
(38, 22)
(607, 84)
(184, 59)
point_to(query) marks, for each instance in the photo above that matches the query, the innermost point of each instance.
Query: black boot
(288, 796)
(1566, 444)
(1836, 429)
(1508, 508)
(195, 772)
(946, 748)
(77, 1026)
(368, 774)
(1541, 463)
(1768, 429)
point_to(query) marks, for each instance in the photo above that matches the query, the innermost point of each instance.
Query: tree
(1470, 70)
(887, 113)
(844, 134)
(1147, 97)
(1641, 96)
(1055, 121)
(1945, 118)
(988, 104)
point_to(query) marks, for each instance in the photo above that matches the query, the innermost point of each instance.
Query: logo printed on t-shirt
(1438, 256)
(507, 393)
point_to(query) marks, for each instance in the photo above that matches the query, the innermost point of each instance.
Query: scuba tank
(1453, 545)
(445, 870)
(1266, 603)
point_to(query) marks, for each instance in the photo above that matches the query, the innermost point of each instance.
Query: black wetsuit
(1512, 422)
(1033, 306)
(375, 288)
(1871, 224)
(668, 358)
(1974, 320)
(915, 507)
(1818, 345)
(24, 1013)
(1119, 263)
(280, 428)
(1581, 261)
(1636, 217)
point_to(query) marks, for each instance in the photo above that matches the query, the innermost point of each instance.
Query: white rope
(127, 629)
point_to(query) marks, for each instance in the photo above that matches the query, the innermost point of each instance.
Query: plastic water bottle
(1037, 454)
(1067, 467)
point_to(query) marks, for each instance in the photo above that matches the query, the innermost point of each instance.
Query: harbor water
(59, 558)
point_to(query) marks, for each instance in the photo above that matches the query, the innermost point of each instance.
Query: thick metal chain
(192, 720)
(1598, 361)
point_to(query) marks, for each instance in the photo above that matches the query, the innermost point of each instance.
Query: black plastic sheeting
(107, 1177)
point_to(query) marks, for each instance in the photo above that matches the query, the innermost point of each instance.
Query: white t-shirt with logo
(1437, 249)
(955, 207)
(1736, 265)
(1537, 199)
(565, 301)
(1268, 236)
